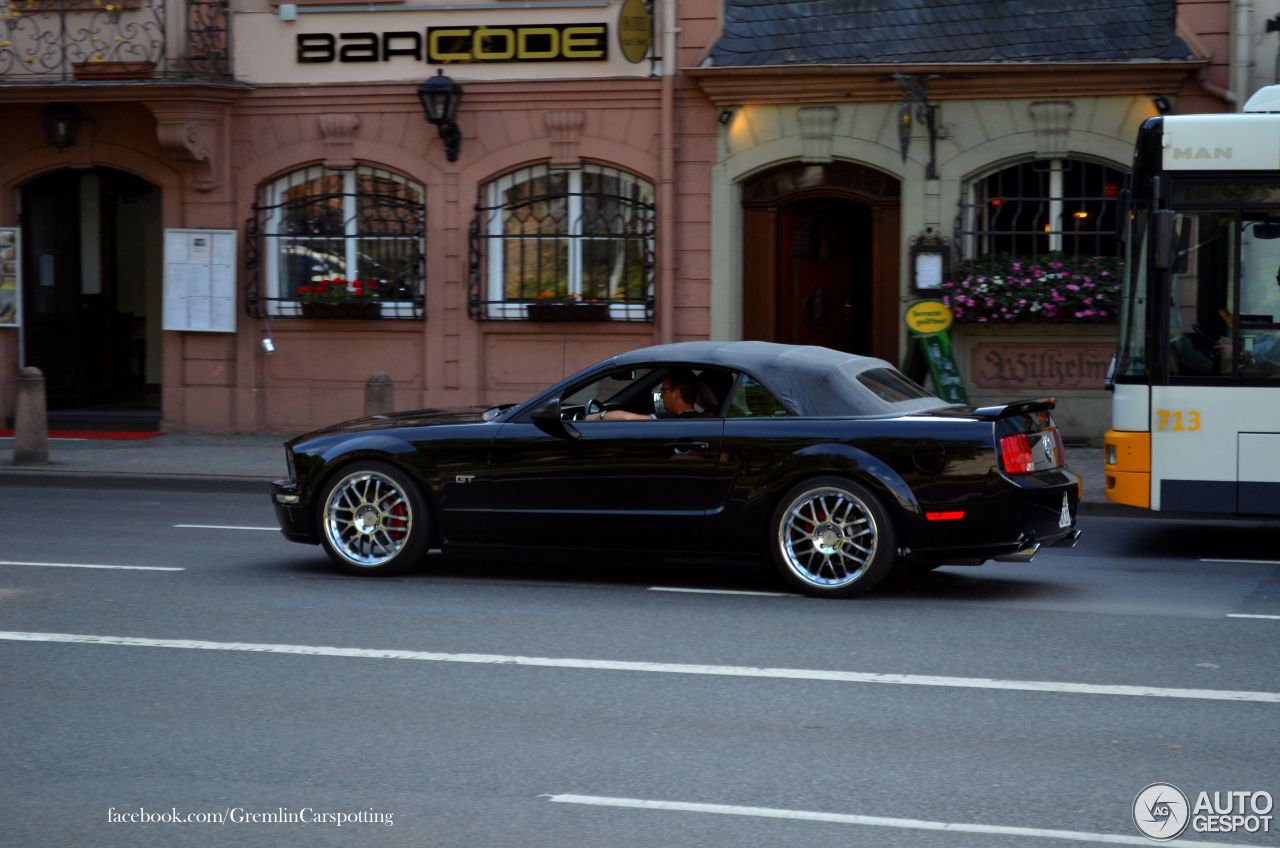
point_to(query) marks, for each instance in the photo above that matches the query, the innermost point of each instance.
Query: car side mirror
(547, 419)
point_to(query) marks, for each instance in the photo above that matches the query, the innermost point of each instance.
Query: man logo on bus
(1160, 811)
(1203, 153)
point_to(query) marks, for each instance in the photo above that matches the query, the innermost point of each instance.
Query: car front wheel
(831, 538)
(373, 520)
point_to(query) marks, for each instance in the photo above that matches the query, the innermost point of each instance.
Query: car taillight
(1022, 453)
(1015, 454)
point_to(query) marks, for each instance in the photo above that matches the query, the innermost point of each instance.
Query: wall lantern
(61, 121)
(440, 97)
(929, 261)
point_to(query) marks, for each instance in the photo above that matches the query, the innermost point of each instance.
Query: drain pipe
(667, 178)
(1242, 55)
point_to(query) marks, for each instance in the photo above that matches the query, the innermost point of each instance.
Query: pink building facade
(166, 256)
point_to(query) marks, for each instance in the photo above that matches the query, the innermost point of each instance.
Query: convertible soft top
(811, 381)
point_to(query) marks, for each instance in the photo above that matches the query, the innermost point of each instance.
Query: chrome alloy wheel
(367, 518)
(828, 537)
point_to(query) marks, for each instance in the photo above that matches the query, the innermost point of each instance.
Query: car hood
(412, 418)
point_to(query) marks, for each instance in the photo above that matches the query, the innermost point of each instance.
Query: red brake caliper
(399, 511)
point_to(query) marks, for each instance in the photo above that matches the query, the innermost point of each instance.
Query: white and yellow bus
(1196, 411)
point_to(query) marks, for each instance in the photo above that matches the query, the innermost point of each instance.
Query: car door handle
(685, 446)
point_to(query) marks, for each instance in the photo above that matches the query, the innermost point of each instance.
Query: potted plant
(550, 306)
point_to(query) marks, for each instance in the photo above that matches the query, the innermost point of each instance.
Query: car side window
(752, 400)
(607, 388)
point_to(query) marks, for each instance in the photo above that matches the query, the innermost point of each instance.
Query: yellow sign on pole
(929, 350)
(926, 317)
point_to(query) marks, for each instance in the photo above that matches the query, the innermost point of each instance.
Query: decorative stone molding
(817, 133)
(190, 132)
(339, 134)
(1052, 120)
(565, 126)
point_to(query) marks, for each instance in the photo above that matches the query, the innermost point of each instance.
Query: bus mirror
(1122, 216)
(1164, 245)
(1267, 230)
(1110, 384)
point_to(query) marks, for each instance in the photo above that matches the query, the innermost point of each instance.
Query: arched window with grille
(564, 244)
(329, 243)
(1060, 206)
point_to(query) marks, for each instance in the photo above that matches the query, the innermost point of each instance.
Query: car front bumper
(295, 520)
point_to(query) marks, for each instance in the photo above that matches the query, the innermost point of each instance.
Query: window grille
(1030, 210)
(563, 244)
(325, 243)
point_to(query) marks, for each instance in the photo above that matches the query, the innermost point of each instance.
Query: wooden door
(824, 273)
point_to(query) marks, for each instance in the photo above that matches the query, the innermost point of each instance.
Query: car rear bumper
(1013, 518)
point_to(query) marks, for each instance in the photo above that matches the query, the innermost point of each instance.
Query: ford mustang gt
(835, 466)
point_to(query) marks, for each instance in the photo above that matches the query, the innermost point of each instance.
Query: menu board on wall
(199, 280)
(10, 277)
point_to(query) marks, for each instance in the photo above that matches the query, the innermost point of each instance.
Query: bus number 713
(1175, 417)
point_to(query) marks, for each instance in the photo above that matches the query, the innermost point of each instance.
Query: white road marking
(1246, 615)
(1248, 561)
(223, 527)
(721, 592)
(873, 821)
(88, 565)
(656, 668)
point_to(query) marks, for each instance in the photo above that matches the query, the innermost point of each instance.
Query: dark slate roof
(873, 32)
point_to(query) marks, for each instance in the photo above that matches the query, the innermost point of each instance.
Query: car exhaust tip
(1069, 540)
(1025, 555)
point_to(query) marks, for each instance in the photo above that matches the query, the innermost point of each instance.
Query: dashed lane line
(222, 527)
(721, 592)
(819, 675)
(92, 565)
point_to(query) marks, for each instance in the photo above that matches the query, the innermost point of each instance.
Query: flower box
(344, 311)
(1049, 289)
(568, 311)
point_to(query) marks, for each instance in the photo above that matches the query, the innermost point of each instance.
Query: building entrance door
(821, 258)
(92, 246)
(824, 274)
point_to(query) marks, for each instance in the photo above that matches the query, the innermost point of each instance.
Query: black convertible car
(836, 465)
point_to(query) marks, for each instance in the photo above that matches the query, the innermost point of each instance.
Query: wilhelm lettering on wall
(1042, 366)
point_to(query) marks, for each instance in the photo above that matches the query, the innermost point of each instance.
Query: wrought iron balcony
(55, 41)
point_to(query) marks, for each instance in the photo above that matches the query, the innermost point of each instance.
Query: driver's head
(680, 383)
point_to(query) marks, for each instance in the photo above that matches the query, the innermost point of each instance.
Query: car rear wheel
(831, 538)
(373, 520)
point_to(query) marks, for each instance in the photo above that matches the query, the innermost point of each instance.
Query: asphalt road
(228, 674)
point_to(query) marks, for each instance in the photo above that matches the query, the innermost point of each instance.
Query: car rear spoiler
(1019, 407)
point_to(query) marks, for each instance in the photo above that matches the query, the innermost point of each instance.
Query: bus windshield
(1224, 297)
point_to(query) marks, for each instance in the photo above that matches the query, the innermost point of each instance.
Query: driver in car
(679, 393)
